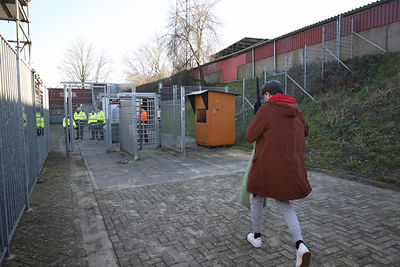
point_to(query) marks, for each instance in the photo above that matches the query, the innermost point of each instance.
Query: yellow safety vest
(92, 118)
(101, 116)
(80, 116)
(39, 120)
(73, 123)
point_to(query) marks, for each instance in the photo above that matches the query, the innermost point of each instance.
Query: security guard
(65, 125)
(79, 117)
(143, 122)
(42, 123)
(101, 120)
(92, 121)
(39, 127)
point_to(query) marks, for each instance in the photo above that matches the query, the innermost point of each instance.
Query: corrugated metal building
(381, 18)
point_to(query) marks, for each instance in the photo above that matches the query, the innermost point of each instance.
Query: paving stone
(185, 211)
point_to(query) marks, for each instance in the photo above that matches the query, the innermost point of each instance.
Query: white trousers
(284, 207)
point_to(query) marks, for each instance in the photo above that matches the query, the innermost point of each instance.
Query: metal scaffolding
(18, 11)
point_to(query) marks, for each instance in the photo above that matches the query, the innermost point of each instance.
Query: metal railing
(301, 69)
(90, 98)
(176, 115)
(24, 139)
(139, 118)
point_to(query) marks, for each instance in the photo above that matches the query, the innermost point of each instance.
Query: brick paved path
(46, 235)
(201, 223)
(165, 210)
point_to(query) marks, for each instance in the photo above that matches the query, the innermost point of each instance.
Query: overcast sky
(120, 26)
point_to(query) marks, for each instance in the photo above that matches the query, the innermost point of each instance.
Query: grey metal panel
(147, 134)
(12, 153)
(19, 159)
(43, 141)
(126, 125)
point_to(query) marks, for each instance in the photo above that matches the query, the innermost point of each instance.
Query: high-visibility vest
(143, 116)
(73, 122)
(92, 118)
(39, 120)
(101, 116)
(80, 116)
(42, 122)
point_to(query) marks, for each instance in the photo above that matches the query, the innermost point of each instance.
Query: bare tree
(81, 64)
(192, 33)
(147, 64)
(103, 68)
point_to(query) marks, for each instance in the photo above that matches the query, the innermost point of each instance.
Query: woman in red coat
(278, 169)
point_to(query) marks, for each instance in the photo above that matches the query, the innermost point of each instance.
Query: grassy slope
(355, 126)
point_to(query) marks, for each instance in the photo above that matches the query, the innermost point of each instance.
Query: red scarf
(282, 97)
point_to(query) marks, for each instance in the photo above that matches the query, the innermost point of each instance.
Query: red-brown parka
(278, 168)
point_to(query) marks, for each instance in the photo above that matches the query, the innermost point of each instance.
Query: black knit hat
(272, 87)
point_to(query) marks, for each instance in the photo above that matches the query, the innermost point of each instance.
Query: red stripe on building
(229, 67)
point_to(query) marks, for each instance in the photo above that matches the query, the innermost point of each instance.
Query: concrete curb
(361, 180)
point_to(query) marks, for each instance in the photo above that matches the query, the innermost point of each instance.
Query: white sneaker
(303, 256)
(256, 242)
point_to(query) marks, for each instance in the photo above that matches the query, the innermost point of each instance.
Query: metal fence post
(183, 134)
(387, 38)
(274, 57)
(174, 104)
(158, 114)
(351, 37)
(38, 139)
(108, 118)
(243, 104)
(21, 104)
(338, 37)
(265, 74)
(66, 120)
(71, 117)
(305, 68)
(253, 63)
(134, 124)
(322, 56)
(286, 63)
(47, 120)
(156, 120)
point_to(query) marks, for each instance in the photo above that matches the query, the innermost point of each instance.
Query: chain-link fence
(178, 117)
(24, 139)
(301, 71)
(173, 118)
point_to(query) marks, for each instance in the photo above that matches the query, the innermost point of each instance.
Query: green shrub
(354, 126)
(389, 179)
(352, 164)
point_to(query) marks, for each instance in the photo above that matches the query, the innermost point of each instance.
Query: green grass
(355, 126)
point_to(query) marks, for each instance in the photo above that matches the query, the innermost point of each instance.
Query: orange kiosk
(214, 117)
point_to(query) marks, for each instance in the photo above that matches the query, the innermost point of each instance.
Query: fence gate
(89, 128)
(139, 121)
